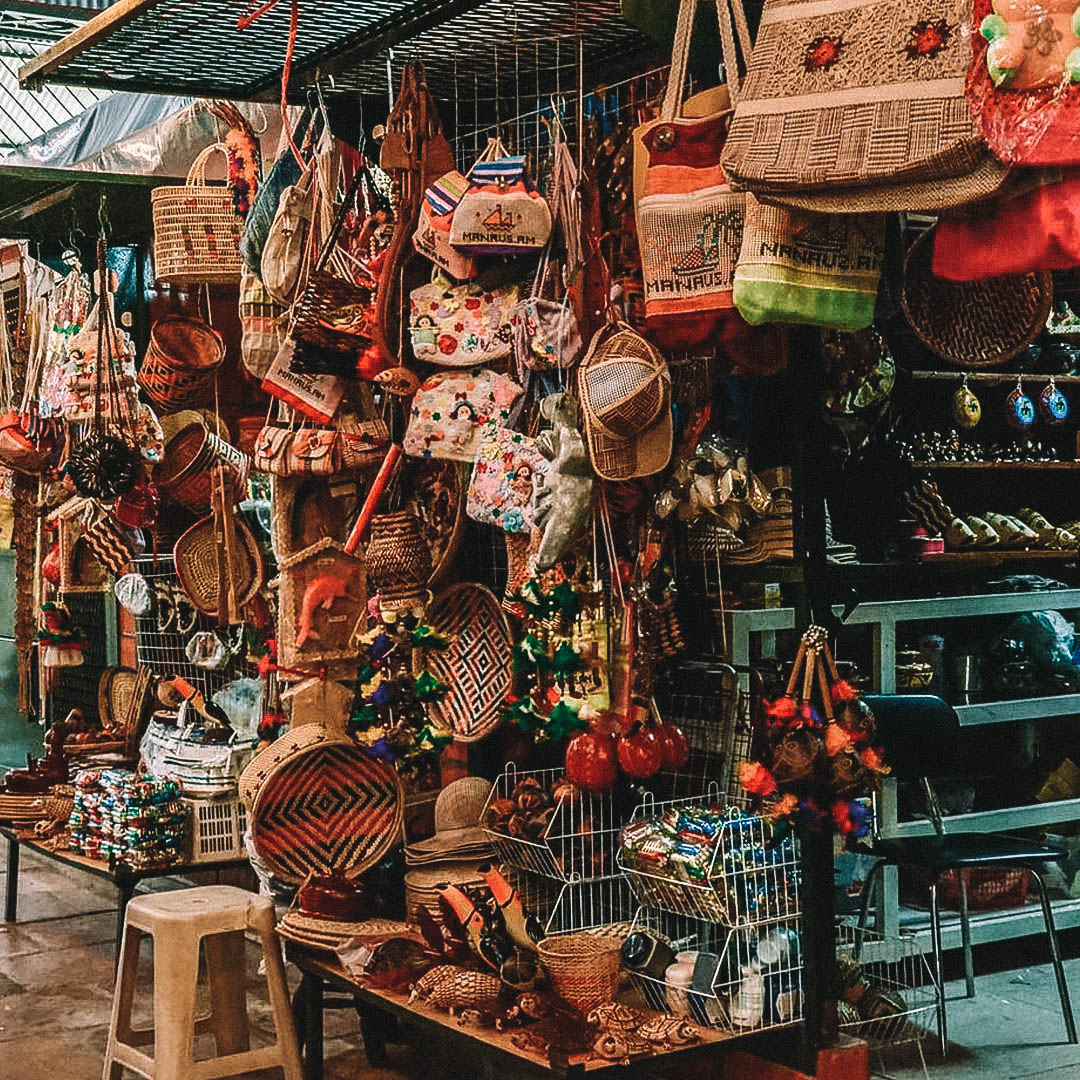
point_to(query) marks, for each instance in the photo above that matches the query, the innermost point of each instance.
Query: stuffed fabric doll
(1032, 43)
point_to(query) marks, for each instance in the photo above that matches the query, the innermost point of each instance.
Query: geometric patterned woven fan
(477, 665)
(324, 804)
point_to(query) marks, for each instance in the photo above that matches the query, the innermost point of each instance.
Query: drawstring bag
(796, 266)
(690, 221)
(432, 236)
(502, 213)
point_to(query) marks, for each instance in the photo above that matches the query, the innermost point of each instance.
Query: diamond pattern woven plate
(328, 807)
(478, 664)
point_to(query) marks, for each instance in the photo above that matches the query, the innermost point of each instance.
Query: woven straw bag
(973, 324)
(690, 220)
(852, 94)
(399, 558)
(583, 967)
(182, 358)
(196, 229)
(191, 450)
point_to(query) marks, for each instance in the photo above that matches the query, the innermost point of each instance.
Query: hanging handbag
(690, 221)
(292, 451)
(432, 236)
(315, 396)
(859, 107)
(287, 238)
(1036, 230)
(546, 331)
(503, 477)
(334, 315)
(815, 269)
(285, 172)
(1020, 82)
(414, 153)
(461, 325)
(501, 213)
(262, 325)
(450, 409)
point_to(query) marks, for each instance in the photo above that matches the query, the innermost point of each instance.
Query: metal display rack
(882, 619)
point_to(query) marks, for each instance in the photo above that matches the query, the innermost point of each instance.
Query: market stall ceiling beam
(194, 46)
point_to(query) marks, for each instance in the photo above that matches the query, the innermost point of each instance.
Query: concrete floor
(56, 980)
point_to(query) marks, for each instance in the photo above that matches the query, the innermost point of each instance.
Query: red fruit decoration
(640, 754)
(590, 762)
(674, 749)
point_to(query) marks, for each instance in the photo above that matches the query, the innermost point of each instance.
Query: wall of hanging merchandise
(546, 459)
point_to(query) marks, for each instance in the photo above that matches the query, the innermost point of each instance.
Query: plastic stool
(217, 916)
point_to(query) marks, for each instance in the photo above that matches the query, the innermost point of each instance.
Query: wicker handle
(196, 176)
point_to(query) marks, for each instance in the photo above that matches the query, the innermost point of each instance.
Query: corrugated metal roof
(27, 114)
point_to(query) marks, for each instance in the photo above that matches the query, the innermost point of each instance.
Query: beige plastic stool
(217, 916)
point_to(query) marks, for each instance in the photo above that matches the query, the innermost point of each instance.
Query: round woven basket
(321, 803)
(190, 452)
(196, 229)
(973, 324)
(181, 359)
(116, 689)
(583, 968)
(195, 556)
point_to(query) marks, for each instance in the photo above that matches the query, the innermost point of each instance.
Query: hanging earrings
(1019, 408)
(1053, 404)
(966, 408)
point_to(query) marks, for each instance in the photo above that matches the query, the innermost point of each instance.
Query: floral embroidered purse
(450, 410)
(461, 325)
(501, 487)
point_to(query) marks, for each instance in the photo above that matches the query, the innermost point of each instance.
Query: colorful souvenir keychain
(966, 408)
(1019, 408)
(1053, 404)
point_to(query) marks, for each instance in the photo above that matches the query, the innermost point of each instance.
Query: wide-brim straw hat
(457, 824)
(625, 391)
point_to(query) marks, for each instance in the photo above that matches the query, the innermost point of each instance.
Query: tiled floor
(56, 989)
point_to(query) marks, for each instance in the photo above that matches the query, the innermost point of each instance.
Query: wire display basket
(705, 699)
(162, 633)
(888, 996)
(711, 859)
(736, 980)
(537, 822)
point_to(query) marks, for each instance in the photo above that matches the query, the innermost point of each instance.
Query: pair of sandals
(173, 611)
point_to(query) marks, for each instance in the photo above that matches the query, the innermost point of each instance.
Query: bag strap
(339, 220)
(680, 51)
(196, 176)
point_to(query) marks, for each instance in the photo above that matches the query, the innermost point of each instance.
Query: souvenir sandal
(186, 615)
(985, 535)
(959, 536)
(1012, 531)
(943, 515)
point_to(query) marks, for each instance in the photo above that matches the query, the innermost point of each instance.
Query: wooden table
(483, 1053)
(123, 877)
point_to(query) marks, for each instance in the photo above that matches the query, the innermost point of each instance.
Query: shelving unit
(1040, 465)
(992, 377)
(882, 620)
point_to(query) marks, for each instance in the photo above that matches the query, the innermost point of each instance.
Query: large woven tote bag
(689, 220)
(855, 93)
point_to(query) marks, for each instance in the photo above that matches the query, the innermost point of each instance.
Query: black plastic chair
(920, 736)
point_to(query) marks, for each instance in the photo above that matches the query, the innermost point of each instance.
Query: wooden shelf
(994, 557)
(1008, 712)
(993, 377)
(1023, 465)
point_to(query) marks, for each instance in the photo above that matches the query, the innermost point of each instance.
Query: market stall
(502, 500)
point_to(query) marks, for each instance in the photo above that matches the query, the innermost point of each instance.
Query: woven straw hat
(625, 391)
(457, 823)
(195, 556)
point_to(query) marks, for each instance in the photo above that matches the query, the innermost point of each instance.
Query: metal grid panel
(163, 650)
(194, 46)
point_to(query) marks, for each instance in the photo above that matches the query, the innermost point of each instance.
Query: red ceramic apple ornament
(590, 761)
(674, 749)
(640, 754)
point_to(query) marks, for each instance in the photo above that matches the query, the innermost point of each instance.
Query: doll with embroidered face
(1032, 43)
